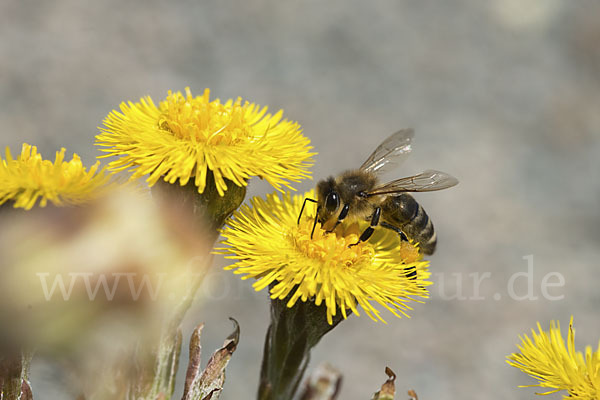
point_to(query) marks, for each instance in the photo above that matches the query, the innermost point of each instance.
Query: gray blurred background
(505, 95)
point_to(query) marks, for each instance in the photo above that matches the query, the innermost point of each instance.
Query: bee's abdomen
(404, 212)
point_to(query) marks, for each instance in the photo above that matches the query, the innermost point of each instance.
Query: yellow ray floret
(557, 366)
(184, 137)
(29, 178)
(272, 248)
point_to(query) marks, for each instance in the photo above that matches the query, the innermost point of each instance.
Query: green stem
(290, 338)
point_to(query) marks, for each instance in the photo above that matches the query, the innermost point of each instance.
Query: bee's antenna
(315, 223)
(302, 209)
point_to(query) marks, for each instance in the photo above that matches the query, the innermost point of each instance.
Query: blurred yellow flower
(559, 367)
(28, 178)
(185, 137)
(274, 249)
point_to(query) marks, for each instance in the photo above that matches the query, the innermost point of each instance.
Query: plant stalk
(290, 338)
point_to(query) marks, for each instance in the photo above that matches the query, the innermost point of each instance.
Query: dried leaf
(388, 389)
(208, 384)
(26, 392)
(194, 359)
(323, 384)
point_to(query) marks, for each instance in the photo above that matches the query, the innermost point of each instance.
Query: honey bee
(358, 194)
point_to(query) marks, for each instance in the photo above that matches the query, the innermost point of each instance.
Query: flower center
(205, 121)
(331, 247)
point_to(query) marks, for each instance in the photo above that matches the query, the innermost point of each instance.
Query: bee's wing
(427, 181)
(392, 151)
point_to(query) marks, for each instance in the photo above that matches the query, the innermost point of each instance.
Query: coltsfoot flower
(29, 178)
(557, 366)
(280, 253)
(185, 137)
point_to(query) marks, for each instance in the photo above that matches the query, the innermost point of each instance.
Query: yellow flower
(185, 137)
(274, 249)
(559, 367)
(28, 178)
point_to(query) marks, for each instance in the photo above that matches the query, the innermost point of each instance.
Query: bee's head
(328, 199)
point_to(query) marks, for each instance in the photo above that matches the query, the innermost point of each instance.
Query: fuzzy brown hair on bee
(349, 189)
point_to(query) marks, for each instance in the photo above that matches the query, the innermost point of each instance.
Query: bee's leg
(411, 272)
(403, 236)
(369, 231)
(340, 218)
(302, 209)
(314, 223)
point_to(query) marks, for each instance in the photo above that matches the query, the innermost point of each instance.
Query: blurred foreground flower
(328, 277)
(27, 178)
(274, 249)
(557, 366)
(187, 138)
(87, 285)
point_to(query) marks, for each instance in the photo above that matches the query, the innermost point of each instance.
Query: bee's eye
(332, 202)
